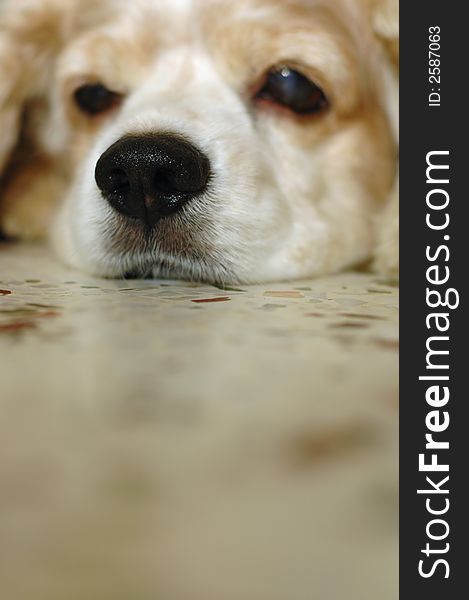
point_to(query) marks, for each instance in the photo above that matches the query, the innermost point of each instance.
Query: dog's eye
(291, 89)
(95, 98)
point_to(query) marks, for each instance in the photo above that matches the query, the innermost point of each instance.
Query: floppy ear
(11, 97)
(386, 26)
(30, 37)
(385, 22)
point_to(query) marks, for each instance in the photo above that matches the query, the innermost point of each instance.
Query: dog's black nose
(148, 177)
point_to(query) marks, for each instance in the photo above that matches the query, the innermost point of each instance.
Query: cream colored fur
(289, 197)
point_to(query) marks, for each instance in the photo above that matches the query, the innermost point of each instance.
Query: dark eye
(291, 89)
(95, 98)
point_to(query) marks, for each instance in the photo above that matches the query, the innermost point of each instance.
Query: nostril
(118, 181)
(111, 180)
(163, 182)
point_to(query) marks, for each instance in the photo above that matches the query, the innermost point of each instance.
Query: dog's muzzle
(151, 176)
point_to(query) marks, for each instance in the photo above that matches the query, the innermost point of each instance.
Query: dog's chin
(175, 248)
(176, 269)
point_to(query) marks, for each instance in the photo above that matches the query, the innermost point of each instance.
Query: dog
(212, 140)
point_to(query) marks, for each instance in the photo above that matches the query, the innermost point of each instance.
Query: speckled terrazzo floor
(171, 441)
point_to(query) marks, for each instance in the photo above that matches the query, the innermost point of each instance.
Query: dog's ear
(385, 22)
(30, 32)
(12, 95)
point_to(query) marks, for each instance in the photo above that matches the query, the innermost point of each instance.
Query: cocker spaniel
(216, 140)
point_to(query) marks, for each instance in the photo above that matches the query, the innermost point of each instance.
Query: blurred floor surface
(172, 441)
